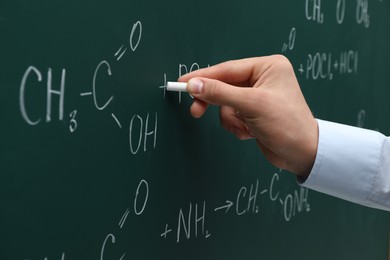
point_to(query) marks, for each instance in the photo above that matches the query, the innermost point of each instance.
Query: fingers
(237, 72)
(198, 108)
(233, 123)
(219, 93)
(230, 120)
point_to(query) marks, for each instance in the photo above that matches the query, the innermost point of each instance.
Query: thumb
(218, 93)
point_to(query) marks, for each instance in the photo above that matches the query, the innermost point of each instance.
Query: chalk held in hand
(176, 86)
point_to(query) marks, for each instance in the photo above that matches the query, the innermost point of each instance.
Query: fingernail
(195, 86)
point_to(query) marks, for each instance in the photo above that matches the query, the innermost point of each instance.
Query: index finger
(244, 72)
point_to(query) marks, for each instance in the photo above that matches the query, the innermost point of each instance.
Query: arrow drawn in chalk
(228, 205)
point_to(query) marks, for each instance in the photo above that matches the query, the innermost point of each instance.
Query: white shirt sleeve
(353, 164)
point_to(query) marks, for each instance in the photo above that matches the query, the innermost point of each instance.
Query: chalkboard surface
(99, 162)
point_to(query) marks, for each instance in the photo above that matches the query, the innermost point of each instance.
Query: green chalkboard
(99, 162)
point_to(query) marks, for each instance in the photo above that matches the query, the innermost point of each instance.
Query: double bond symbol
(120, 53)
(135, 31)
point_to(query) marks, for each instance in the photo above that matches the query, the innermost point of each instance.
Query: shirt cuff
(347, 162)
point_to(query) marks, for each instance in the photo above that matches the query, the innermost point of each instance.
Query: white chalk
(176, 86)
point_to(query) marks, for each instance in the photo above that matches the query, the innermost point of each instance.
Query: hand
(260, 98)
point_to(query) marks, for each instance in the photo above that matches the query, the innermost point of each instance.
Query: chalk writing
(136, 27)
(291, 41)
(124, 217)
(361, 117)
(22, 103)
(142, 184)
(225, 207)
(137, 122)
(190, 221)
(94, 91)
(73, 121)
(183, 69)
(247, 200)
(121, 51)
(362, 15)
(184, 223)
(325, 65)
(340, 12)
(313, 11)
(103, 69)
(49, 94)
(116, 120)
(111, 238)
(134, 41)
